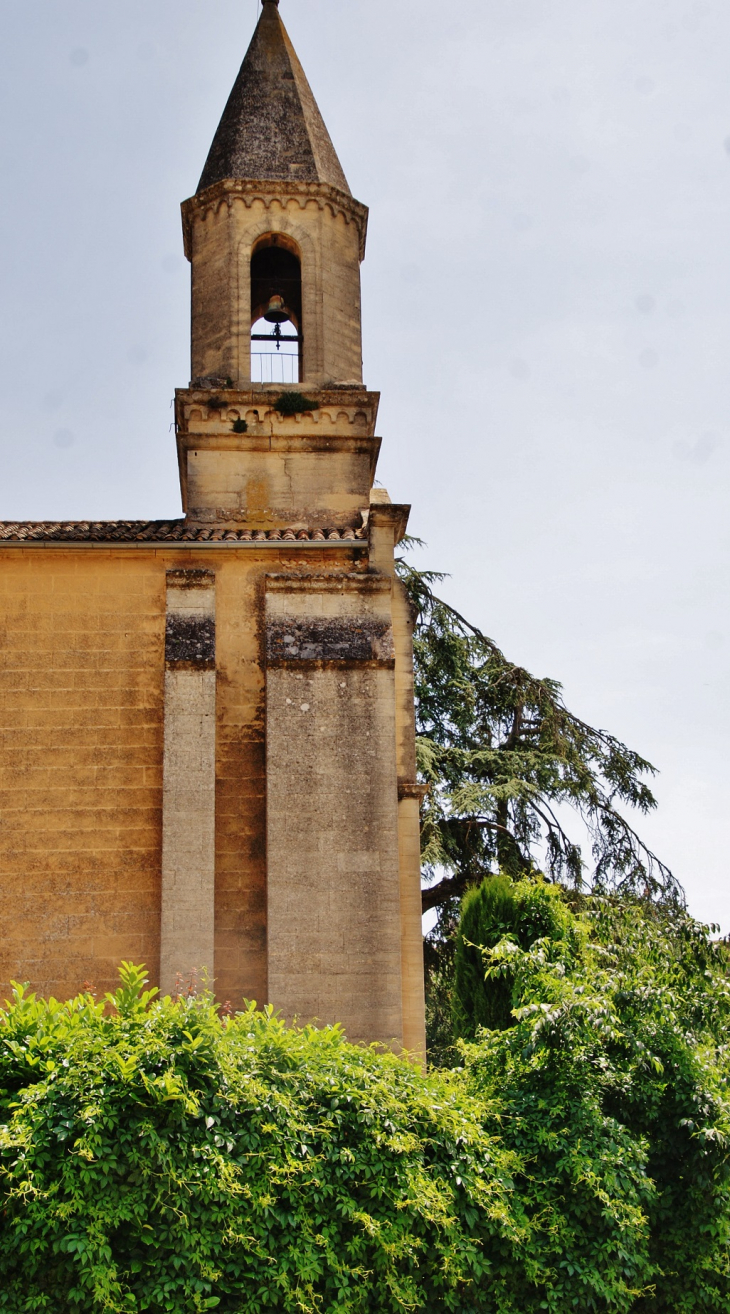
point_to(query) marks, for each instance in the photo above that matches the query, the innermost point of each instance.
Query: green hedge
(157, 1155)
(164, 1158)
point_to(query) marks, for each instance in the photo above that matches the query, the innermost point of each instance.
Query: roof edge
(168, 533)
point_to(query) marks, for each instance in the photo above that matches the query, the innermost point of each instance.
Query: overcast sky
(547, 314)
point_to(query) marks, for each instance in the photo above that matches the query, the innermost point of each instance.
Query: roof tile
(159, 531)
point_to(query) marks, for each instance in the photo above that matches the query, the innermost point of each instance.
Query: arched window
(276, 311)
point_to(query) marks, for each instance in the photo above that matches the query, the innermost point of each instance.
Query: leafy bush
(162, 1157)
(612, 1087)
(157, 1155)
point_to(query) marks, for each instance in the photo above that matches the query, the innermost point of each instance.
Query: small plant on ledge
(293, 403)
(239, 426)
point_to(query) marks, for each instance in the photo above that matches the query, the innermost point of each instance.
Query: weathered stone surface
(330, 640)
(271, 126)
(187, 933)
(334, 918)
(190, 641)
(333, 863)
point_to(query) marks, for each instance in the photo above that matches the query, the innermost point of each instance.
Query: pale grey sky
(547, 314)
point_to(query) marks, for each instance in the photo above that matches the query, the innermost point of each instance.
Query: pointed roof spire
(271, 127)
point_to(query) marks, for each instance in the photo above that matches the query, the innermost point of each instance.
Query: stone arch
(276, 291)
(281, 219)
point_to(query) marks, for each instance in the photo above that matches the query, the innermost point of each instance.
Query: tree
(615, 1052)
(500, 908)
(504, 759)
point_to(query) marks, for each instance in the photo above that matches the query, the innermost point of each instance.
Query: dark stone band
(329, 640)
(190, 641)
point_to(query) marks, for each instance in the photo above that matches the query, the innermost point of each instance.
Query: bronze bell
(276, 312)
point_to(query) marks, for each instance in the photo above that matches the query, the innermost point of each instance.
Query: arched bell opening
(276, 311)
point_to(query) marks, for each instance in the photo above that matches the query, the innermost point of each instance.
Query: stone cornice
(343, 413)
(412, 789)
(288, 582)
(391, 515)
(269, 191)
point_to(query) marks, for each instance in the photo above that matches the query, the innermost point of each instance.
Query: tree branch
(451, 887)
(552, 822)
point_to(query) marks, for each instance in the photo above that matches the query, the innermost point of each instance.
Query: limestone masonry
(208, 744)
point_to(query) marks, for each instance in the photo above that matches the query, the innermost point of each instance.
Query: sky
(546, 312)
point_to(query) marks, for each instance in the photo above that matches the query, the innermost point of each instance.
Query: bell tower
(275, 240)
(274, 219)
(277, 448)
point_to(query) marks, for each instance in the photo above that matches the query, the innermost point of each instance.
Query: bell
(276, 312)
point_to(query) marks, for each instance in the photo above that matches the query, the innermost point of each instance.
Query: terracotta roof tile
(158, 531)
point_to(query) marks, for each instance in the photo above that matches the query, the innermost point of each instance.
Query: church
(208, 737)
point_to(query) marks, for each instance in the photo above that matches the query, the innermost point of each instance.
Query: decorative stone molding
(410, 789)
(306, 419)
(269, 194)
(350, 404)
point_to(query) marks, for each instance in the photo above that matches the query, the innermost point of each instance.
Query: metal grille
(274, 367)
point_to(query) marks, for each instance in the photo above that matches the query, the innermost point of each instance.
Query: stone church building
(207, 725)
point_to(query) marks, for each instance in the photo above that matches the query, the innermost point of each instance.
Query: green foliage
(505, 760)
(156, 1156)
(294, 403)
(499, 908)
(439, 980)
(612, 1087)
(239, 426)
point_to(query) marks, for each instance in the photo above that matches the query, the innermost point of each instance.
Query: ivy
(611, 1085)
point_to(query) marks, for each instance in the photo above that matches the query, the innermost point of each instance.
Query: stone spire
(271, 127)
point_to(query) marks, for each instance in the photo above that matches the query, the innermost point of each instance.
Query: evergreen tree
(505, 760)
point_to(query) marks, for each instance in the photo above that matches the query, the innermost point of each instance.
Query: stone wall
(187, 935)
(81, 696)
(334, 921)
(86, 698)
